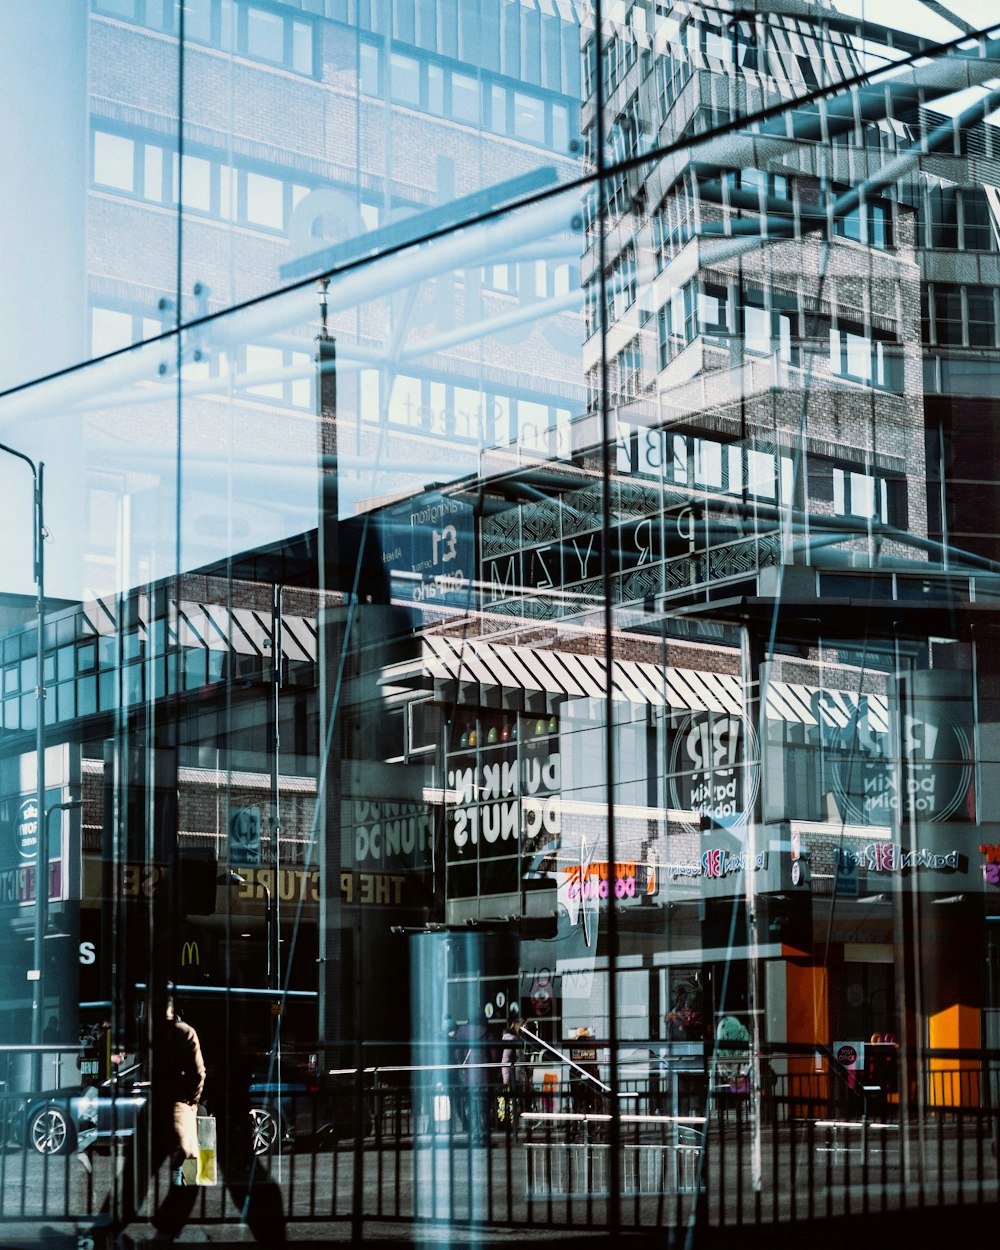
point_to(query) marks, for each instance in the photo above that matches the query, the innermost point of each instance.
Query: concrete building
(518, 542)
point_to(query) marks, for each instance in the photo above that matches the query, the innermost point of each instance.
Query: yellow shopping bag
(207, 1173)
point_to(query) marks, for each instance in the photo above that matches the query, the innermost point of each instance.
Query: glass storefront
(498, 613)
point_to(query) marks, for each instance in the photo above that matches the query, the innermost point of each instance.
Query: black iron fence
(791, 1136)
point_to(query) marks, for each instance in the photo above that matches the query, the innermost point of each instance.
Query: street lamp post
(235, 878)
(36, 973)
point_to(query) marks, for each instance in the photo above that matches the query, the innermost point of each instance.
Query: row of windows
(624, 378)
(620, 289)
(151, 171)
(533, 279)
(672, 74)
(780, 49)
(702, 464)
(520, 41)
(959, 316)
(262, 34)
(770, 323)
(956, 218)
(449, 27)
(693, 206)
(482, 102)
(489, 419)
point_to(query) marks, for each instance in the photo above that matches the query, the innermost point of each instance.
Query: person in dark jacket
(180, 1078)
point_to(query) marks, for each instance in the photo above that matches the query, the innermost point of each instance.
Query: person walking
(510, 1074)
(180, 1076)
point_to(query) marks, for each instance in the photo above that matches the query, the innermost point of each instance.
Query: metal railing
(447, 1143)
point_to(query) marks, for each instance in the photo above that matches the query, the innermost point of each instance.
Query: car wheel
(51, 1131)
(263, 1130)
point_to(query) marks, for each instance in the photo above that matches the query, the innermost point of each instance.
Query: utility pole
(36, 972)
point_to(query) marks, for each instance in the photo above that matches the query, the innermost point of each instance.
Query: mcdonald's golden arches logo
(190, 954)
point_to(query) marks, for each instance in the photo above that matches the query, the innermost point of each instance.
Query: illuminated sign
(991, 869)
(190, 954)
(714, 768)
(887, 857)
(497, 802)
(26, 829)
(716, 864)
(594, 880)
(585, 885)
(870, 785)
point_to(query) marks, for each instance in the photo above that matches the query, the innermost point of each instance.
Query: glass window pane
(110, 330)
(758, 329)
(302, 47)
(265, 200)
(859, 356)
(405, 71)
(197, 181)
(465, 98)
(114, 161)
(435, 89)
(529, 117)
(370, 69)
(152, 187)
(265, 35)
(761, 474)
(198, 20)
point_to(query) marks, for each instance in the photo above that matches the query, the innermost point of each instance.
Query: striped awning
(244, 631)
(567, 674)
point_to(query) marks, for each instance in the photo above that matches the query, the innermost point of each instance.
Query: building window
(859, 493)
(620, 287)
(868, 356)
(440, 88)
(370, 68)
(713, 310)
(964, 316)
(625, 374)
(405, 79)
(867, 222)
(771, 325)
(265, 35)
(956, 218)
(265, 201)
(676, 323)
(273, 37)
(114, 161)
(148, 170)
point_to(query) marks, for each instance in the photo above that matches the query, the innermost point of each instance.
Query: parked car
(54, 1121)
(304, 1107)
(59, 1121)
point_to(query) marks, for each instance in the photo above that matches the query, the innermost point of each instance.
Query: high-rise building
(518, 544)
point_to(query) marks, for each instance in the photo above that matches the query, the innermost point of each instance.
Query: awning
(244, 631)
(568, 675)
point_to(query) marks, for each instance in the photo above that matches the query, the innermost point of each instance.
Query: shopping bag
(505, 1107)
(442, 1108)
(207, 1173)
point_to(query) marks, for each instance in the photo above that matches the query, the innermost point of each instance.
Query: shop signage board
(244, 835)
(428, 551)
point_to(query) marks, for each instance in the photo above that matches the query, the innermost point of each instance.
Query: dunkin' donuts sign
(506, 801)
